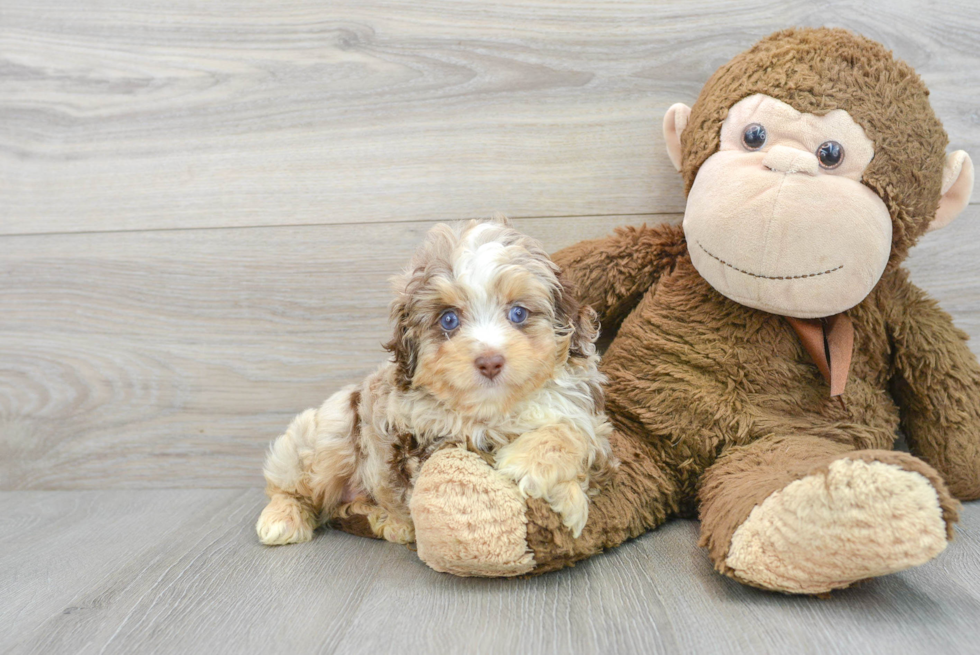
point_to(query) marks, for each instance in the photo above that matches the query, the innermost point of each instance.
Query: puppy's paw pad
(398, 532)
(527, 484)
(390, 528)
(281, 524)
(572, 504)
(280, 533)
(566, 498)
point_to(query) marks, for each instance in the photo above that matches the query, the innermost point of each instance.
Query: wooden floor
(200, 204)
(180, 571)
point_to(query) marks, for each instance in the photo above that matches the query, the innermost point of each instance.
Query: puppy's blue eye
(517, 315)
(449, 321)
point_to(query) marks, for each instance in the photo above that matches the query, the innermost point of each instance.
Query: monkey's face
(778, 218)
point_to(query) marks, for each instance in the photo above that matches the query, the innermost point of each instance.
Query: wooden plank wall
(200, 203)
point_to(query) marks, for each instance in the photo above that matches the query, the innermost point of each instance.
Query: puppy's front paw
(390, 527)
(284, 521)
(572, 504)
(541, 479)
(383, 525)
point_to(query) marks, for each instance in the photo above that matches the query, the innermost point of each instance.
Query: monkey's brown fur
(695, 377)
(717, 405)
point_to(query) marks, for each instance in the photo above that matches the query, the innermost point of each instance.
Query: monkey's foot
(854, 520)
(470, 520)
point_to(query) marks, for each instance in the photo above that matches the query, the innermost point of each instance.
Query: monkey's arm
(612, 273)
(936, 381)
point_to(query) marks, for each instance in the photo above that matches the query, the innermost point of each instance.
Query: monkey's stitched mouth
(766, 277)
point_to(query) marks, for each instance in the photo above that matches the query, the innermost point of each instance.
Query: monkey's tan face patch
(770, 225)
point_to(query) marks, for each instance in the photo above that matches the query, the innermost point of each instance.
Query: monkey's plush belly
(693, 373)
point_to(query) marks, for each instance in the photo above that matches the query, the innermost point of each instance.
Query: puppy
(491, 352)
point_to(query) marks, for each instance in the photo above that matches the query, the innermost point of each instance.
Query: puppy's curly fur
(491, 352)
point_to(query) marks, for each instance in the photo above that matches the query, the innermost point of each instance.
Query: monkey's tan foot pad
(469, 519)
(828, 530)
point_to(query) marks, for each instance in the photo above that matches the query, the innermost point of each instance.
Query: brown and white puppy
(491, 353)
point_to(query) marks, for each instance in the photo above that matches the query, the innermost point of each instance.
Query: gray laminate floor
(181, 572)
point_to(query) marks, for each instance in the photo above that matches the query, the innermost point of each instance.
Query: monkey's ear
(674, 123)
(957, 189)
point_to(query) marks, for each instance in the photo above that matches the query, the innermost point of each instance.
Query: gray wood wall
(200, 202)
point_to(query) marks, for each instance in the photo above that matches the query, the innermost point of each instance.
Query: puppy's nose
(490, 365)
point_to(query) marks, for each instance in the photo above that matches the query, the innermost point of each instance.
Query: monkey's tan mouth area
(766, 277)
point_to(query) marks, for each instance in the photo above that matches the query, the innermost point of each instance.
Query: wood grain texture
(182, 572)
(171, 359)
(116, 116)
(169, 572)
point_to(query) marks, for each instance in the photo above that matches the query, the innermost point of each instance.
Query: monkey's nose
(490, 365)
(784, 159)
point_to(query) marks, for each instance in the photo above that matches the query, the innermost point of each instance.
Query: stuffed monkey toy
(769, 349)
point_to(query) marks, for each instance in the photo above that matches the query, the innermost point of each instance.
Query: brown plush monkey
(768, 351)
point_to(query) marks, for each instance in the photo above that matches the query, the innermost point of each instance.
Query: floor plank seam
(204, 228)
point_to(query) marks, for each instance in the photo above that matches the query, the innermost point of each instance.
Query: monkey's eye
(830, 154)
(449, 321)
(517, 315)
(754, 136)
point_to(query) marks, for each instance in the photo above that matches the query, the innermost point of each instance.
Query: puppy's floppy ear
(500, 218)
(404, 344)
(580, 320)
